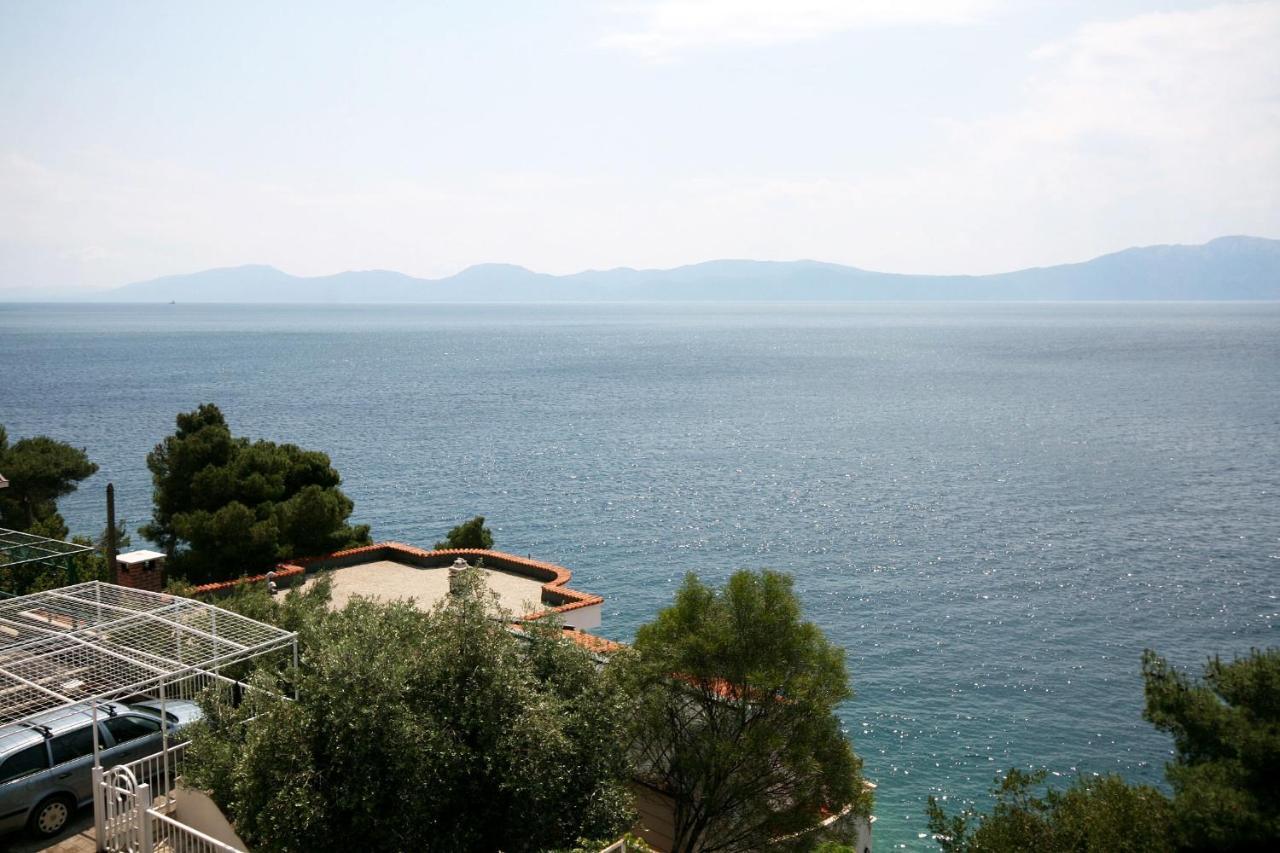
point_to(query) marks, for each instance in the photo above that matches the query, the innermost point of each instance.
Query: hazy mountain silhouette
(1226, 268)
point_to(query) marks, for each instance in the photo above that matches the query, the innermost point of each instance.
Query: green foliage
(54, 573)
(468, 534)
(1100, 813)
(226, 507)
(431, 731)
(40, 470)
(123, 540)
(89, 565)
(736, 714)
(590, 845)
(1095, 813)
(84, 566)
(1226, 732)
(298, 609)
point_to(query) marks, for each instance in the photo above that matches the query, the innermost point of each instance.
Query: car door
(22, 776)
(72, 759)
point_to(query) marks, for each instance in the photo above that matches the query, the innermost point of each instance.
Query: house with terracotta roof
(525, 588)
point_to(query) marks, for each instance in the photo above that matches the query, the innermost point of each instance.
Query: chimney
(455, 575)
(141, 570)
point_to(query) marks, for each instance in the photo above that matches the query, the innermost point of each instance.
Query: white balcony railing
(170, 836)
(160, 770)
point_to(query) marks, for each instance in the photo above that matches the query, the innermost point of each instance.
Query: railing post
(164, 740)
(99, 809)
(143, 805)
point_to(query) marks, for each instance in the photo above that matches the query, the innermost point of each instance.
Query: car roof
(72, 717)
(58, 721)
(15, 737)
(153, 705)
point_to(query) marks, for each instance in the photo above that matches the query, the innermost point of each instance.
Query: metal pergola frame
(95, 641)
(19, 549)
(75, 648)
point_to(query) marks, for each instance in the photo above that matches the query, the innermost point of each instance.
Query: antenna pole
(111, 532)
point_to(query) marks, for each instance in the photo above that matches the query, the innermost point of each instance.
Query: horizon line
(69, 291)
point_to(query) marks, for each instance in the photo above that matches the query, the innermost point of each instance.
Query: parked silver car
(46, 763)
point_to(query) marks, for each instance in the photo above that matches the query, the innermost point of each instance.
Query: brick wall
(138, 576)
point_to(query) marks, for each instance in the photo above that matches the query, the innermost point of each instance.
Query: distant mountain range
(1229, 268)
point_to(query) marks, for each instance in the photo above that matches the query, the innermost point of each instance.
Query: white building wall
(583, 618)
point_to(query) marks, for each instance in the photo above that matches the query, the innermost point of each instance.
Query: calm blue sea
(993, 508)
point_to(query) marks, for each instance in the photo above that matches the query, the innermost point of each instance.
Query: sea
(993, 508)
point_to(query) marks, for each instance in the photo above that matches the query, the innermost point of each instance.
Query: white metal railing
(131, 822)
(123, 802)
(131, 799)
(161, 770)
(191, 685)
(170, 836)
(619, 846)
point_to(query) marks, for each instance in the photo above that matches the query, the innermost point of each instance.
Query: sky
(141, 139)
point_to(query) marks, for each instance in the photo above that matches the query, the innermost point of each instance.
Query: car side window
(72, 745)
(128, 727)
(33, 759)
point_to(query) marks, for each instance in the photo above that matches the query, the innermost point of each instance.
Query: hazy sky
(141, 139)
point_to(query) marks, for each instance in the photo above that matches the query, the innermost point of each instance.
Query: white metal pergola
(76, 647)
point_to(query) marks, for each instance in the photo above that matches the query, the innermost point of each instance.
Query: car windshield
(155, 712)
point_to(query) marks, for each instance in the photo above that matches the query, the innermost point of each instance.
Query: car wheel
(52, 815)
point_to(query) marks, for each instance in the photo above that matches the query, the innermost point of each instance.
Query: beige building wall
(656, 825)
(198, 811)
(654, 817)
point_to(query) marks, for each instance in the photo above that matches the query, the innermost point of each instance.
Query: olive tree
(439, 731)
